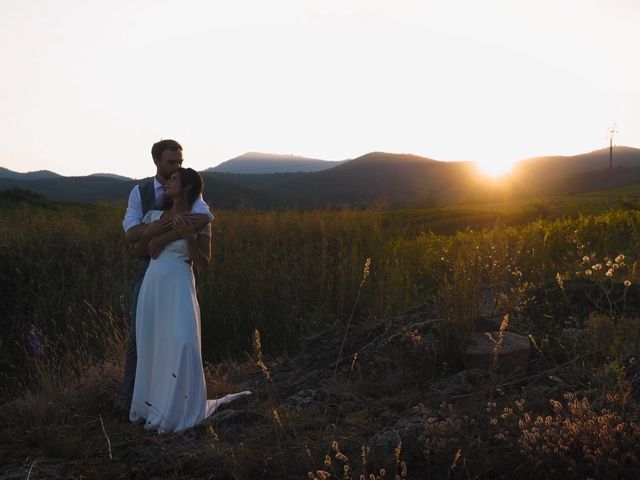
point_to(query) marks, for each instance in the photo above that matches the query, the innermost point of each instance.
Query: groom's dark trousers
(148, 197)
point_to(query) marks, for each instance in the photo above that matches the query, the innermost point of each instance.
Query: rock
(632, 375)
(407, 429)
(513, 354)
(485, 323)
(461, 383)
(310, 398)
(303, 398)
(227, 417)
(572, 334)
(387, 440)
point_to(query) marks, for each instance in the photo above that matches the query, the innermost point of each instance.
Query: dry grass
(291, 274)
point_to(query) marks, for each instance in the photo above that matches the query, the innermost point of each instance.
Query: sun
(494, 168)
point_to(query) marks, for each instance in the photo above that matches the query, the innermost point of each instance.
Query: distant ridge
(37, 175)
(263, 163)
(596, 160)
(377, 178)
(585, 171)
(111, 175)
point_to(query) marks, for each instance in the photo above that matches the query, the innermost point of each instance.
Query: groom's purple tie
(160, 200)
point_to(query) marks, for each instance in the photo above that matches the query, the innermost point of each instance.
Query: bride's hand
(183, 225)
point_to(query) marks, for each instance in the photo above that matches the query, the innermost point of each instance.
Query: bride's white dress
(170, 391)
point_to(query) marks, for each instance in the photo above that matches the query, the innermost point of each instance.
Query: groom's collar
(156, 184)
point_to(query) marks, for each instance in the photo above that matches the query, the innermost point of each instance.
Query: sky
(88, 86)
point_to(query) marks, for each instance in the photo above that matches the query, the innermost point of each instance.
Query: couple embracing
(169, 222)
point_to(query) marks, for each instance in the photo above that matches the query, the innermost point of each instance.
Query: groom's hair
(161, 146)
(188, 176)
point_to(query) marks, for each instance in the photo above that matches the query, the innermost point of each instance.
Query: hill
(263, 163)
(578, 173)
(37, 175)
(396, 180)
(111, 175)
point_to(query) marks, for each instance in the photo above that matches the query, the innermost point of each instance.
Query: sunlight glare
(494, 168)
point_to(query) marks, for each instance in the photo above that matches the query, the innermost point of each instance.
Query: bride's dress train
(170, 391)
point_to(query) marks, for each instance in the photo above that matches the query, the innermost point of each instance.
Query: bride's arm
(157, 243)
(199, 246)
(153, 229)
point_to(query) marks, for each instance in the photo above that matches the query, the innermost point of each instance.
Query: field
(294, 292)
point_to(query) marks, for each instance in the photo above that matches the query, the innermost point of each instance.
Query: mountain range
(262, 163)
(397, 180)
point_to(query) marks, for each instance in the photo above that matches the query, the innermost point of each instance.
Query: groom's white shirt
(133, 216)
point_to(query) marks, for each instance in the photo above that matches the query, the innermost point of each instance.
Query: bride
(170, 391)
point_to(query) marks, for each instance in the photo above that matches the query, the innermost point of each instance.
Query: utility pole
(613, 129)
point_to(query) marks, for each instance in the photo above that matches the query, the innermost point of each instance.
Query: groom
(167, 156)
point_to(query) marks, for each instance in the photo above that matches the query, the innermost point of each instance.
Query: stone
(511, 356)
(632, 375)
(572, 334)
(388, 440)
(225, 417)
(462, 383)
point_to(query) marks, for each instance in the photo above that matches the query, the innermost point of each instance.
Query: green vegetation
(66, 274)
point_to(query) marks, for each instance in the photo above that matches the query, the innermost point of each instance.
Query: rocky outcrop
(505, 351)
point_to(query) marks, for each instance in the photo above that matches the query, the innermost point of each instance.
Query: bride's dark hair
(189, 177)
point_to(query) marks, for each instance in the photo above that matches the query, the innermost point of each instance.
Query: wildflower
(627, 283)
(557, 406)
(619, 258)
(610, 272)
(341, 456)
(365, 271)
(559, 280)
(456, 458)
(588, 272)
(36, 341)
(597, 266)
(353, 363)
(276, 417)
(397, 451)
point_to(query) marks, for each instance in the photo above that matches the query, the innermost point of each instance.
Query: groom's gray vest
(148, 196)
(148, 201)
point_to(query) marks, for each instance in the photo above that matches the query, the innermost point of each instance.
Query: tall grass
(66, 274)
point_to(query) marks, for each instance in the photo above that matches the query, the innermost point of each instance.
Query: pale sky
(88, 86)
